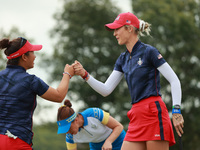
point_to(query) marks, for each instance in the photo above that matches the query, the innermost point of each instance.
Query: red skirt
(149, 121)
(7, 143)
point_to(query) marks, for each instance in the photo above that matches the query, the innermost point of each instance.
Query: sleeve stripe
(105, 118)
(71, 146)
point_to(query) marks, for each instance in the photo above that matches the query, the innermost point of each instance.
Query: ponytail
(144, 27)
(5, 44)
(65, 111)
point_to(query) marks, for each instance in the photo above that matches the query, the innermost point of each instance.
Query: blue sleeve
(69, 138)
(94, 112)
(38, 85)
(155, 57)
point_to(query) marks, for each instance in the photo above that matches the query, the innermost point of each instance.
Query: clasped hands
(75, 69)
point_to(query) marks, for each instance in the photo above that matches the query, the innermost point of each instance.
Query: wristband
(86, 75)
(176, 109)
(68, 74)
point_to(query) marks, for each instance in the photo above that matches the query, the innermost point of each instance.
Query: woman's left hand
(178, 123)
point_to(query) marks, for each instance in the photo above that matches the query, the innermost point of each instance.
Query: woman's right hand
(69, 68)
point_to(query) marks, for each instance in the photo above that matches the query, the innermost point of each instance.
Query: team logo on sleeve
(160, 56)
(140, 62)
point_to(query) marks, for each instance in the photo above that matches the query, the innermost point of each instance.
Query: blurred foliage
(46, 138)
(176, 34)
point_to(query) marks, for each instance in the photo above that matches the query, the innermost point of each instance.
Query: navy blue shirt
(140, 70)
(18, 101)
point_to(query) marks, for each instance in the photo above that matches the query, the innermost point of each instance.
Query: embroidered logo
(94, 126)
(157, 135)
(160, 56)
(140, 62)
(95, 113)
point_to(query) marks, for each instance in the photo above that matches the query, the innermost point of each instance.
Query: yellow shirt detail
(105, 118)
(71, 146)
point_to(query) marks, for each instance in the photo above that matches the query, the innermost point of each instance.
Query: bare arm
(58, 94)
(117, 129)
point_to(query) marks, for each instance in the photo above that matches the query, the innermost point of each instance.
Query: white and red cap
(27, 47)
(124, 19)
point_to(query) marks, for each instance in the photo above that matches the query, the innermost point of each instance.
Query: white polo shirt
(94, 128)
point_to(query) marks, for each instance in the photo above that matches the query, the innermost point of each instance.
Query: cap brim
(112, 26)
(36, 47)
(30, 47)
(64, 128)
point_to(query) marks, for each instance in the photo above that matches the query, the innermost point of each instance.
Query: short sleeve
(118, 63)
(155, 57)
(38, 85)
(105, 118)
(71, 146)
(69, 138)
(97, 113)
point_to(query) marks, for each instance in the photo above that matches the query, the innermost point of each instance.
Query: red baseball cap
(24, 49)
(124, 19)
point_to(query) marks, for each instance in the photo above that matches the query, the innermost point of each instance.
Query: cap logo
(117, 18)
(128, 21)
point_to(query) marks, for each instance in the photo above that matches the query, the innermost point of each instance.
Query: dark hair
(10, 47)
(65, 111)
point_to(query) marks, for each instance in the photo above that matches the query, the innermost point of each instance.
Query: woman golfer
(93, 126)
(18, 93)
(150, 126)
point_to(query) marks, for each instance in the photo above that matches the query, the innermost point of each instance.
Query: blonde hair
(144, 27)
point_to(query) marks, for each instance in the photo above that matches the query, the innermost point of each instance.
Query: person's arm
(102, 88)
(169, 74)
(106, 88)
(172, 78)
(117, 129)
(58, 94)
